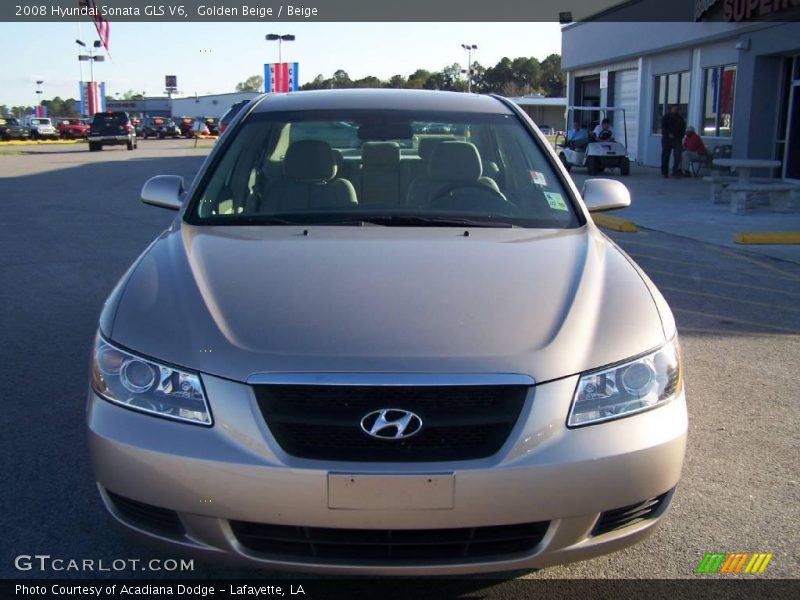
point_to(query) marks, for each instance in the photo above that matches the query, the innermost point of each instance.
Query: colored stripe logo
(735, 562)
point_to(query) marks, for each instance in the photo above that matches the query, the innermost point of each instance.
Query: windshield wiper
(435, 221)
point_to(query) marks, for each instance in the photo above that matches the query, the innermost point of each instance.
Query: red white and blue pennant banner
(93, 97)
(280, 77)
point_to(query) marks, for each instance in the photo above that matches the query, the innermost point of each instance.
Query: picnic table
(742, 192)
(743, 166)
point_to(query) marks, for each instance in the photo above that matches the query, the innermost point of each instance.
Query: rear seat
(380, 174)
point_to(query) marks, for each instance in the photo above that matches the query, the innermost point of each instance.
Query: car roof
(386, 99)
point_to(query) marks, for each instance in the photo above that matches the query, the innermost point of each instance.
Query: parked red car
(69, 129)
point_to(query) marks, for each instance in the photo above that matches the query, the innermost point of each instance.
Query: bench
(721, 183)
(780, 195)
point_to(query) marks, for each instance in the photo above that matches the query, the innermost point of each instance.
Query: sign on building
(281, 77)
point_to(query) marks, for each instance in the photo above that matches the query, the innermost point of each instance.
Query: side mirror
(605, 194)
(164, 191)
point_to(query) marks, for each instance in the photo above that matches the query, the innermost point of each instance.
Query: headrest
(428, 144)
(309, 160)
(690, 129)
(455, 161)
(380, 154)
(338, 159)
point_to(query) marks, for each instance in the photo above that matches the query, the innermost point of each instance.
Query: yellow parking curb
(768, 237)
(29, 142)
(614, 223)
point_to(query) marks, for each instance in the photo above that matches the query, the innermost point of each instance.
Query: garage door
(626, 95)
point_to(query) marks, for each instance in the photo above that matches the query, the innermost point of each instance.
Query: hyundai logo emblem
(391, 424)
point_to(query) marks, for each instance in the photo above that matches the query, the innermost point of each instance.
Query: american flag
(103, 27)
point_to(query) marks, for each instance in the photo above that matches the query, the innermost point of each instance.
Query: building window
(669, 89)
(720, 88)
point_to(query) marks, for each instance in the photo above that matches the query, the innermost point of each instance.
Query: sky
(214, 57)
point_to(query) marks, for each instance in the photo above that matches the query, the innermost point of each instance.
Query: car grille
(629, 515)
(150, 518)
(324, 421)
(382, 545)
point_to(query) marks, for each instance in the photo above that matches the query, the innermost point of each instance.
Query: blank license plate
(391, 492)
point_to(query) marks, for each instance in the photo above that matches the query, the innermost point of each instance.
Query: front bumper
(235, 471)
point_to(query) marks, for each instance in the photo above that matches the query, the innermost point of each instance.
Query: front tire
(130, 145)
(625, 168)
(592, 165)
(94, 147)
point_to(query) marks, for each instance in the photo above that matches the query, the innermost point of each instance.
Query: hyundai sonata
(386, 352)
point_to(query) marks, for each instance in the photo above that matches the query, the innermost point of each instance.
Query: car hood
(235, 301)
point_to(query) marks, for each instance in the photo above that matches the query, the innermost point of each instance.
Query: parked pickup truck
(70, 129)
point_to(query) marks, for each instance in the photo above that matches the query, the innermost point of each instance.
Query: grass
(11, 152)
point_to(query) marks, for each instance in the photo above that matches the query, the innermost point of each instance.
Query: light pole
(469, 48)
(271, 37)
(91, 57)
(39, 92)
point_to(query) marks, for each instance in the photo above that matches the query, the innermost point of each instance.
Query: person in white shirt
(603, 131)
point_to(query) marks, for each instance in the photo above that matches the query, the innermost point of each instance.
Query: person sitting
(577, 137)
(603, 131)
(695, 151)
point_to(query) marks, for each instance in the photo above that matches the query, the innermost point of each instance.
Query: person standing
(673, 128)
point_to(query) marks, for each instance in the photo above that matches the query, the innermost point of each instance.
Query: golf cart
(594, 154)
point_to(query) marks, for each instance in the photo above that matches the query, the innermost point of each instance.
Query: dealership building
(732, 67)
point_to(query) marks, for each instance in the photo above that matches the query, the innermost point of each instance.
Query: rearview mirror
(164, 191)
(605, 194)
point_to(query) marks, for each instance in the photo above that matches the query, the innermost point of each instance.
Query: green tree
(368, 82)
(418, 79)
(251, 84)
(131, 95)
(341, 79)
(397, 81)
(552, 78)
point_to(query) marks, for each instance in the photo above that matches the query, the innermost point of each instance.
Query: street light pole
(272, 37)
(469, 48)
(92, 56)
(39, 91)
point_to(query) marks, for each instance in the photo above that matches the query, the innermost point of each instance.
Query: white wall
(207, 106)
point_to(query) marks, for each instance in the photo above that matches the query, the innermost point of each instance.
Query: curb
(768, 237)
(40, 142)
(614, 223)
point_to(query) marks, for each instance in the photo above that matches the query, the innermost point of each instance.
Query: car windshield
(8, 122)
(394, 168)
(40, 121)
(70, 122)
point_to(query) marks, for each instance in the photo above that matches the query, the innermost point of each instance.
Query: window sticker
(555, 200)
(538, 177)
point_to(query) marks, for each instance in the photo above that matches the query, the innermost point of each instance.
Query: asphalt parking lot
(72, 223)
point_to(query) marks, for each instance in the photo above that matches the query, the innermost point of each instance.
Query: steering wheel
(494, 199)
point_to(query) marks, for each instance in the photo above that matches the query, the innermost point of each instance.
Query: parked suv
(41, 128)
(10, 129)
(160, 127)
(111, 129)
(69, 129)
(185, 126)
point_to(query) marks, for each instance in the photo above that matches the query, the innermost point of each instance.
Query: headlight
(142, 384)
(628, 388)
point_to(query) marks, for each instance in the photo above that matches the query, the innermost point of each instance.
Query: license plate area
(391, 492)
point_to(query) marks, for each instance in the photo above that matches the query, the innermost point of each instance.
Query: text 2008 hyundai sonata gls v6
(365, 348)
